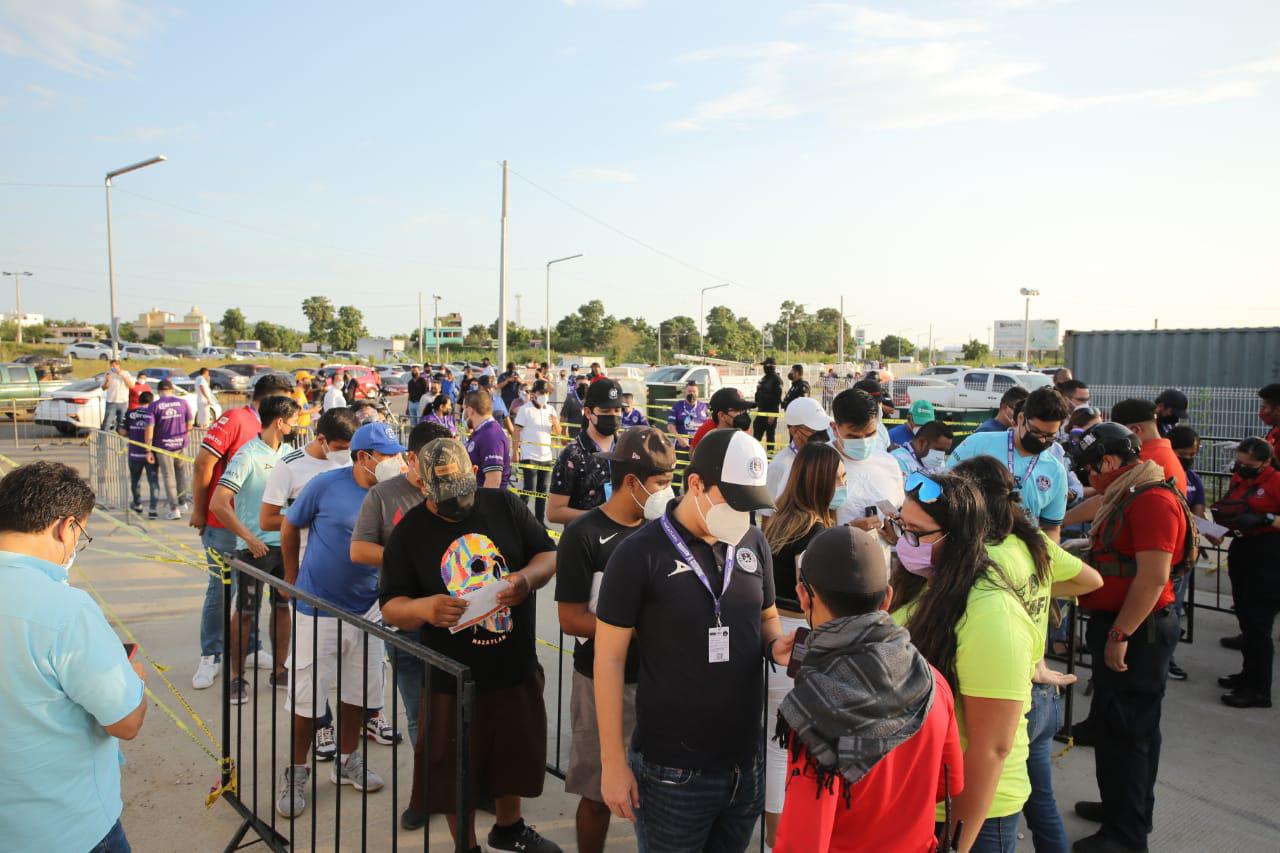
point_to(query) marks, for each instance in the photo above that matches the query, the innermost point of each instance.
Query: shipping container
(1214, 358)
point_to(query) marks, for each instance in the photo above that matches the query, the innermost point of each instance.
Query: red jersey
(1160, 451)
(1153, 521)
(1260, 494)
(892, 807)
(135, 391)
(707, 426)
(232, 431)
(1273, 439)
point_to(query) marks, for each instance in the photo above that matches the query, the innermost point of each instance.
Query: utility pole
(659, 343)
(17, 283)
(929, 354)
(502, 275)
(113, 323)
(1026, 326)
(421, 342)
(519, 296)
(437, 327)
(840, 335)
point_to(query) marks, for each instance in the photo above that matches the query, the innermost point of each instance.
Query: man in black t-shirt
(768, 400)
(580, 479)
(418, 387)
(641, 465)
(695, 589)
(458, 541)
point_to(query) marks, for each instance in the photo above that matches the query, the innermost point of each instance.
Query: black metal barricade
(242, 757)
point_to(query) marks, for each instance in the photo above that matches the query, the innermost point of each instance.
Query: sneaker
(355, 773)
(326, 746)
(293, 790)
(1235, 643)
(172, 515)
(1243, 697)
(378, 728)
(239, 691)
(153, 515)
(136, 508)
(261, 659)
(184, 507)
(1231, 682)
(206, 672)
(279, 680)
(411, 819)
(520, 838)
(1176, 672)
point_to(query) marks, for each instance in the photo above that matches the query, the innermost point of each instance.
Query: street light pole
(548, 318)
(1026, 327)
(111, 267)
(17, 318)
(436, 329)
(702, 314)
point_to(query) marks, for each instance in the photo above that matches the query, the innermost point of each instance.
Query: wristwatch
(1115, 635)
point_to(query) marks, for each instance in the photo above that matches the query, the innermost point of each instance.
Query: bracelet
(768, 650)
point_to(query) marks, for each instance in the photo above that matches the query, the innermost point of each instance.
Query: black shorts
(249, 589)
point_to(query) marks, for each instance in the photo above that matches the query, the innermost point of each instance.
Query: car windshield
(666, 374)
(1033, 381)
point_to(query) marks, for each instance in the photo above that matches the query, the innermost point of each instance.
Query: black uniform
(768, 399)
(798, 389)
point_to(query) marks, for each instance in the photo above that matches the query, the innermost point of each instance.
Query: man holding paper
(444, 561)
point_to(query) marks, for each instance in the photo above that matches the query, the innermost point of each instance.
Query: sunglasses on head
(926, 488)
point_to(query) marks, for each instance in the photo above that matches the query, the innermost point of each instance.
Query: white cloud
(604, 176)
(659, 86)
(78, 36)
(606, 4)
(43, 94)
(875, 23)
(142, 134)
(1270, 65)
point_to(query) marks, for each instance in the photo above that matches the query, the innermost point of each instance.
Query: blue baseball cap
(378, 437)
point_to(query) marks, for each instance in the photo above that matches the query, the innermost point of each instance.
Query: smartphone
(871, 512)
(797, 652)
(130, 649)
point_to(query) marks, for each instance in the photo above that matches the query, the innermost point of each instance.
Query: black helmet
(1100, 440)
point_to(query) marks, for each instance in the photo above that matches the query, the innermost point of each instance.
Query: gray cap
(845, 559)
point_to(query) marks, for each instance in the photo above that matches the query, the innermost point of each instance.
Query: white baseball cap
(736, 462)
(807, 412)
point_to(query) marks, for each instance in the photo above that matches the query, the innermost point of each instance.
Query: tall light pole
(111, 267)
(502, 275)
(437, 299)
(548, 330)
(702, 314)
(1026, 327)
(17, 283)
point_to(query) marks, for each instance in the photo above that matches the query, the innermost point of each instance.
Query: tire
(71, 355)
(66, 429)
(104, 357)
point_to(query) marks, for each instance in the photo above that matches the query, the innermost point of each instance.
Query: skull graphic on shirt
(473, 561)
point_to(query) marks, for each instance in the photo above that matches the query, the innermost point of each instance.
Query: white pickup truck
(665, 385)
(972, 389)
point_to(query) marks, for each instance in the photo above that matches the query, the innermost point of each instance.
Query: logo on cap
(613, 393)
(755, 467)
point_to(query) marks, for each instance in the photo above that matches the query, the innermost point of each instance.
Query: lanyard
(1018, 481)
(682, 548)
(913, 460)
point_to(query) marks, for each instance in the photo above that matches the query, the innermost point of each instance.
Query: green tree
(233, 326)
(320, 316)
(477, 337)
(893, 346)
(156, 337)
(622, 343)
(679, 335)
(276, 337)
(975, 350)
(791, 330)
(348, 327)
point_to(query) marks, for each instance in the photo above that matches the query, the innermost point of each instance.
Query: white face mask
(388, 469)
(539, 400)
(338, 457)
(934, 460)
(656, 504)
(725, 523)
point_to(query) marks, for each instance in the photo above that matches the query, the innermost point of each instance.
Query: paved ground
(1216, 790)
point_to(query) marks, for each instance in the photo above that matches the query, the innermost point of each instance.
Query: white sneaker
(206, 672)
(172, 515)
(261, 659)
(184, 508)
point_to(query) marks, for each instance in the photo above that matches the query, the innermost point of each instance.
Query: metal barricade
(244, 739)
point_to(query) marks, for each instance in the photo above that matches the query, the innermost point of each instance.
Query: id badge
(717, 645)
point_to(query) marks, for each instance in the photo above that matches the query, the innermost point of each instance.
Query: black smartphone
(797, 652)
(130, 649)
(871, 511)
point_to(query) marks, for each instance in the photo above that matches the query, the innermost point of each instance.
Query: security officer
(768, 403)
(1143, 531)
(799, 385)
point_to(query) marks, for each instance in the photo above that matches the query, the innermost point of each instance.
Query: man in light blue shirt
(69, 690)
(1027, 450)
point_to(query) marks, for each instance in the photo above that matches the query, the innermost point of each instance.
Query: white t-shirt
(876, 478)
(287, 479)
(118, 385)
(333, 399)
(779, 472)
(535, 432)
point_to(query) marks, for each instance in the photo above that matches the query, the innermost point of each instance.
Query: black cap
(845, 559)
(1099, 440)
(736, 462)
(770, 362)
(871, 386)
(729, 400)
(1133, 411)
(164, 385)
(1173, 400)
(643, 447)
(603, 393)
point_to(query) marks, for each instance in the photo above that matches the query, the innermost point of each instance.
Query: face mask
(1245, 471)
(820, 437)
(690, 397)
(456, 509)
(839, 498)
(1032, 444)
(1270, 418)
(539, 400)
(607, 424)
(858, 449)
(1100, 480)
(582, 391)
(917, 559)
(338, 457)
(742, 421)
(1167, 420)
(725, 523)
(1187, 464)
(655, 504)
(934, 460)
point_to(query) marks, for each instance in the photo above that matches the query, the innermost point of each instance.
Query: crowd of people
(877, 604)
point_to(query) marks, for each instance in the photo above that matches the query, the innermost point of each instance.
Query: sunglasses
(926, 488)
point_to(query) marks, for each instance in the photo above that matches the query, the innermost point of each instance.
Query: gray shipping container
(1216, 358)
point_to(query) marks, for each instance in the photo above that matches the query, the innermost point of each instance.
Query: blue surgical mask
(839, 498)
(858, 449)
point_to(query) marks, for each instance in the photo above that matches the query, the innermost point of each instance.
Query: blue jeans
(411, 411)
(998, 835)
(136, 469)
(224, 542)
(115, 842)
(688, 811)
(1041, 809)
(408, 671)
(113, 415)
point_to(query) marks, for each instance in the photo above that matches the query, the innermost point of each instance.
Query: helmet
(1100, 440)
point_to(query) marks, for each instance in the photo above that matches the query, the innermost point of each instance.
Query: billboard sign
(860, 336)
(1044, 335)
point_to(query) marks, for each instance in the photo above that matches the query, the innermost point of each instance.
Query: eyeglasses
(928, 488)
(1047, 436)
(83, 539)
(912, 536)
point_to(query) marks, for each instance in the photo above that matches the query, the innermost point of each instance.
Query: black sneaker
(239, 691)
(1235, 643)
(1090, 811)
(1241, 697)
(411, 819)
(279, 680)
(1176, 672)
(1082, 734)
(520, 838)
(153, 515)
(1232, 682)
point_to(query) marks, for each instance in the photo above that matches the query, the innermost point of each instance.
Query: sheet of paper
(480, 604)
(1210, 528)
(886, 508)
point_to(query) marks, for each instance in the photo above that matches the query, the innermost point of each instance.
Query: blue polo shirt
(65, 675)
(901, 435)
(328, 507)
(991, 425)
(1044, 497)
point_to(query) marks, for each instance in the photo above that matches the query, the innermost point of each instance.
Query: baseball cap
(378, 437)
(729, 400)
(770, 362)
(573, 366)
(164, 385)
(845, 559)
(445, 469)
(807, 412)
(604, 394)
(643, 447)
(1173, 399)
(1133, 411)
(735, 462)
(922, 412)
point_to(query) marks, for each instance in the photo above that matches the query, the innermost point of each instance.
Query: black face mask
(820, 437)
(742, 421)
(1168, 420)
(456, 509)
(1245, 471)
(690, 397)
(607, 424)
(770, 369)
(582, 391)
(1032, 444)
(1187, 464)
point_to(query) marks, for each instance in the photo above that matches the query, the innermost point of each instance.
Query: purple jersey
(634, 417)
(137, 422)
(171, 415)
(490, 450)
(686, 417)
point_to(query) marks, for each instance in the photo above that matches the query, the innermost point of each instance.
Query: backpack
(1103, 542)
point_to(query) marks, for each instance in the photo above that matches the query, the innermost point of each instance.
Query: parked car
(211, 352)
(666, 384)
(302, 356)
(20, 386)
(173, 374)
(141, 352)
(248, 371)
(221, 379)
(78, 406)
(976, 388)
(253, 380)
(47, 366)
(393, 385)
(180, 352)
(88, 349)
(346, 355)
(367, 377)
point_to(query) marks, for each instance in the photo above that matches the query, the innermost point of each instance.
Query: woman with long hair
(968, 621)
(815, 490)
(441, 412)
(1038, 571)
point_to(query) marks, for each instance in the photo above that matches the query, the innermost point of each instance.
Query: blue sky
(922, 160)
